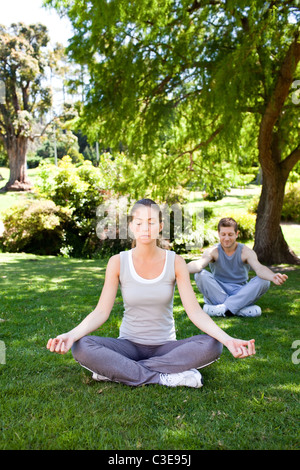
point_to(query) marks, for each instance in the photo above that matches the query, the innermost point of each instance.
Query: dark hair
(148, 203)
(228, 222)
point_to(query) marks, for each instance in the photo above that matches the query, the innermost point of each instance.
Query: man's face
(227, 236)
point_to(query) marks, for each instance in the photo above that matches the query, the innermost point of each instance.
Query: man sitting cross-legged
(227, 288)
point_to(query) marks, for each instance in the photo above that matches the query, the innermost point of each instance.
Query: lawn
(49, 402)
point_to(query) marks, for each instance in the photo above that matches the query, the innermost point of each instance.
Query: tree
(194, 78)
(22, 70)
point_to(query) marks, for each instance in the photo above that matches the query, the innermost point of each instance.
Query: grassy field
(49, 402)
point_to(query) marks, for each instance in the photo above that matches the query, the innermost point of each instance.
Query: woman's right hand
(61, 344)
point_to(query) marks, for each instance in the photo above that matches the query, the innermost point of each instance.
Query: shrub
(81, 189)
(35, 227)
(246, 224)
(253, 204)
(213, 193)
(291, 204)
(245, 221)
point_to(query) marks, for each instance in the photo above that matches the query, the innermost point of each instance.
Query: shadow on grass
(49, 402)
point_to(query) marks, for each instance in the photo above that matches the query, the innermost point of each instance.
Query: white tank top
(148, 303)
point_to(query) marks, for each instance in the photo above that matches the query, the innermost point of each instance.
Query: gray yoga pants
(234, 296)
(135, 364)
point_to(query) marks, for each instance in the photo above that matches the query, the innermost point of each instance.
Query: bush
(81, 189)
(33, 160)
(213, 193)
(35, 227)
(194, 240)
(291, 204)
(253, 204)
(245, 221)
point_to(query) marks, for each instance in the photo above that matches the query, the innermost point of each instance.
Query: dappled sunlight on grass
(51, 402)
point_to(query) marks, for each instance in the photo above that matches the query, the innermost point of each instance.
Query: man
(226, 288)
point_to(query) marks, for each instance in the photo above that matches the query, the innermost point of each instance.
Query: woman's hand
(240, 348)
(61, 344)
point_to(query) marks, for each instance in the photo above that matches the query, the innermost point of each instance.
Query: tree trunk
(18, 179)
(270, 245)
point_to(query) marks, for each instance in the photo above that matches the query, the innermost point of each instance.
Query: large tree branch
(35, 136)
(278, 97)
(290, 161)
(204, 143)
(197, 147)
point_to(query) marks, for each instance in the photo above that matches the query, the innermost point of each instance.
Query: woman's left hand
(240, 348)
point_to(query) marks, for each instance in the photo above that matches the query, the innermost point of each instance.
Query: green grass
(49, 402)
(236, 199)
(9, 199)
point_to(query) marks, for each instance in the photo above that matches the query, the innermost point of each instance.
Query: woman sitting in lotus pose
(147, 351)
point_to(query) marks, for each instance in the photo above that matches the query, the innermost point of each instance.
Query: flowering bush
(80, 188)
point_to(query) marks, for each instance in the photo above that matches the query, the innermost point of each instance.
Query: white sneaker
(215, 310)
(250, 311)
(100, 378)
(188, 378)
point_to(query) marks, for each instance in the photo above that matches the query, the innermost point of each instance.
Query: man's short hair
(228, 222)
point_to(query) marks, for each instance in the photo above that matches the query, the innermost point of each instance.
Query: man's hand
(279, 279)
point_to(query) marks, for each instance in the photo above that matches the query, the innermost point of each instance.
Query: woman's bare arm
(238, 348)
(62, 343)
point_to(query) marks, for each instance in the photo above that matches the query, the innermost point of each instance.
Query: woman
(147, 351)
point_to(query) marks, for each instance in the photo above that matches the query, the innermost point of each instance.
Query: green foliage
(22, 68)
(194, 239)
(63, 220)
(81, 189)
(64, 146)
(253, 204)
(291, 204)
(245, 221)
(184, 86)
(35, 227)
(214, 193)
(175, 74)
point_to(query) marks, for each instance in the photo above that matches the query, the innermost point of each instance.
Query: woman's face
(145, 225)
